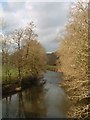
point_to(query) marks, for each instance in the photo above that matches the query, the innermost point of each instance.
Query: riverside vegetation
(22, 55)
(74, 61)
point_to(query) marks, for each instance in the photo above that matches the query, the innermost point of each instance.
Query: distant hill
(51, 58)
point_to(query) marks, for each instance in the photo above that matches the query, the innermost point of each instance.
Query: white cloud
(1, 10)
(48, 17)
(41, 0)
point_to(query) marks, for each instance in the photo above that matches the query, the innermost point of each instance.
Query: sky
(48, 17)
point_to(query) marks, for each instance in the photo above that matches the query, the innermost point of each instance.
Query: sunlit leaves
(74, 53)
(22, 52)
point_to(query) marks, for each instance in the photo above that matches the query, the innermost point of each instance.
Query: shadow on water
(45, 101)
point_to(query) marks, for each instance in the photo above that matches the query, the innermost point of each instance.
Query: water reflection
(21, 109)
(39, 101)
(32, 103)
(7, 108)
(7, 99)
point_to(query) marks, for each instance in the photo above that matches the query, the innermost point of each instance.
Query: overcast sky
(49, 18)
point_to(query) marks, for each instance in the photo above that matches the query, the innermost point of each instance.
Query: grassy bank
(14, 73)
(52, 68)
(13, 86)
(10, 80)
(8, 75)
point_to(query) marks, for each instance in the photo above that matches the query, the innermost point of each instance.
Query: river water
(47, 101)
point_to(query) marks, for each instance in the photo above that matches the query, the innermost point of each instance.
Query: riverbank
(12, 87)
(52, 68)
(78, 94)
(41, 101)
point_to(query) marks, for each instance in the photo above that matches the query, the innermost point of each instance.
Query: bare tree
(18, 37)
(5, 57)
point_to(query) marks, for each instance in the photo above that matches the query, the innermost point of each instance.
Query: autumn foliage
(74, 60)
(22, 55)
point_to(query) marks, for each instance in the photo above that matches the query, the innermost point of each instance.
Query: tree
(18, 36)
(73, 56)
(36, 59)
(28, 56)
(5, 57)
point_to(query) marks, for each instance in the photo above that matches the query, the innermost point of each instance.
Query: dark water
(47, 101)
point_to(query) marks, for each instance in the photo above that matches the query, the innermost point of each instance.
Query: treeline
(22, 55)
(51, 59)
(74, 60)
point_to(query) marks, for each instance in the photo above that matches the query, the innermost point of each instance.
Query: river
(47, 101)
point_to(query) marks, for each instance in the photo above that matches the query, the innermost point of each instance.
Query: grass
(53, 68)
(14, 73)
(12, 70)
